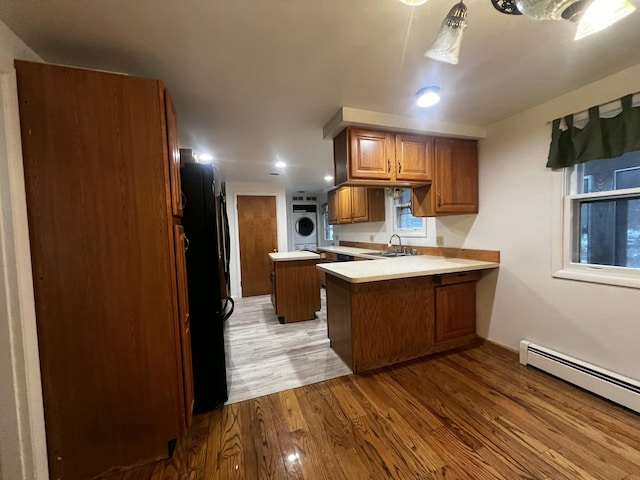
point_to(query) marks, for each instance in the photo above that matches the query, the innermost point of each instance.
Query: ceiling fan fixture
(590, 15)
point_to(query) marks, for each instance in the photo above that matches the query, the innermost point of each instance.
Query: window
(327, 229)
(404, 223)
(601, 218)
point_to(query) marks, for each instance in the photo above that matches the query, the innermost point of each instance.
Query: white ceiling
(255, 81)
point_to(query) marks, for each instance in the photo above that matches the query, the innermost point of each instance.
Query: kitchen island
(295, 287)
(386, 311)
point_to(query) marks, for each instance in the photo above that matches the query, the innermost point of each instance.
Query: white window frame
(564, 218)
(407, 232)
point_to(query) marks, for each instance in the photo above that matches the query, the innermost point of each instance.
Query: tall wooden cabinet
(104, 208)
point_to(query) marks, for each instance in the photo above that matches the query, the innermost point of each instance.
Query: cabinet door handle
(186, 243)
(399, 166)
(388, 166)
(439, 200)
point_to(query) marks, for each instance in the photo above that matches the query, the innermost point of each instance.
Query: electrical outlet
(371, 238)
(439, 240)
(336, 237)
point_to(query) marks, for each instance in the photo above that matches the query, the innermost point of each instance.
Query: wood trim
(480, 255)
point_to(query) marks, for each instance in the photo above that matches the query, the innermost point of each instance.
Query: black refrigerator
(206, 227)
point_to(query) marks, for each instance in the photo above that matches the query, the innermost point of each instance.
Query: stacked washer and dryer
(305, 232)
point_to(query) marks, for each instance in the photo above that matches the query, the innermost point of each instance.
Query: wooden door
(258, 236)
(332, 207)
(456, 171)
(181, 244)
(371, 154)
(414, 157)
(344, 205)
(359, 204)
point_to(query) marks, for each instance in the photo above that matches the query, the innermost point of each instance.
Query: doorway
(257, 236)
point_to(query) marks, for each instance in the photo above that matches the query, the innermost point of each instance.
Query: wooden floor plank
(475, 414)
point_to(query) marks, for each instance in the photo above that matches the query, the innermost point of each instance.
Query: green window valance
(600, 138)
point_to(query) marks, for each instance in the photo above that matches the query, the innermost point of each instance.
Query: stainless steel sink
(386, 254)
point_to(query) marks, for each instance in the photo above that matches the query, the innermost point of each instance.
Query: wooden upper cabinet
(332, 207)
(372, 154)
(359, 205)
(344, 205)
(414, 157)
(174, 155)
(454, 189)
(376, 157)
(355, 205)
(456, 175)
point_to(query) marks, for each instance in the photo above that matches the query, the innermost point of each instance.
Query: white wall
(22, 436)
(237, 188)
(596, 323)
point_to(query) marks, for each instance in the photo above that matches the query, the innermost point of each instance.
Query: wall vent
(617, 388)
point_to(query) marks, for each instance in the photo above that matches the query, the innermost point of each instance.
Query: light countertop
(286, 256)
(400, 267)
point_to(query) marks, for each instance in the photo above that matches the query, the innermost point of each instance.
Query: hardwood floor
(472, 414)
(264, 356)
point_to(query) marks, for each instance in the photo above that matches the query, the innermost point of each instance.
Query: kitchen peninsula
(386, 311)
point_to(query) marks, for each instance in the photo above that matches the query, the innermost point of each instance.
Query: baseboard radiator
(617, 388)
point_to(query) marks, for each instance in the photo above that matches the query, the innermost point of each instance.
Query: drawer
(459, 277)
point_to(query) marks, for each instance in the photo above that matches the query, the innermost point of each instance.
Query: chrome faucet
(399, 249)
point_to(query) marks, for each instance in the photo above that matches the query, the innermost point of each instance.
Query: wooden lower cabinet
(375, 324)
(295, 289)
(456, 307)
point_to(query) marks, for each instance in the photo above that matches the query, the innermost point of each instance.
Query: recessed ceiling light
(328, 178)
(205, 158)
(428, 96)
(413, 3)
(280, 164)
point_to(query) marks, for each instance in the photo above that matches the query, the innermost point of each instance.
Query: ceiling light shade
(413, 3)
(446, 46)
(428, 96)
(601, 14)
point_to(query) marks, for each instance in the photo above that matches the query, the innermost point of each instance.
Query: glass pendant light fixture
(601, 14)
(446, 46)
